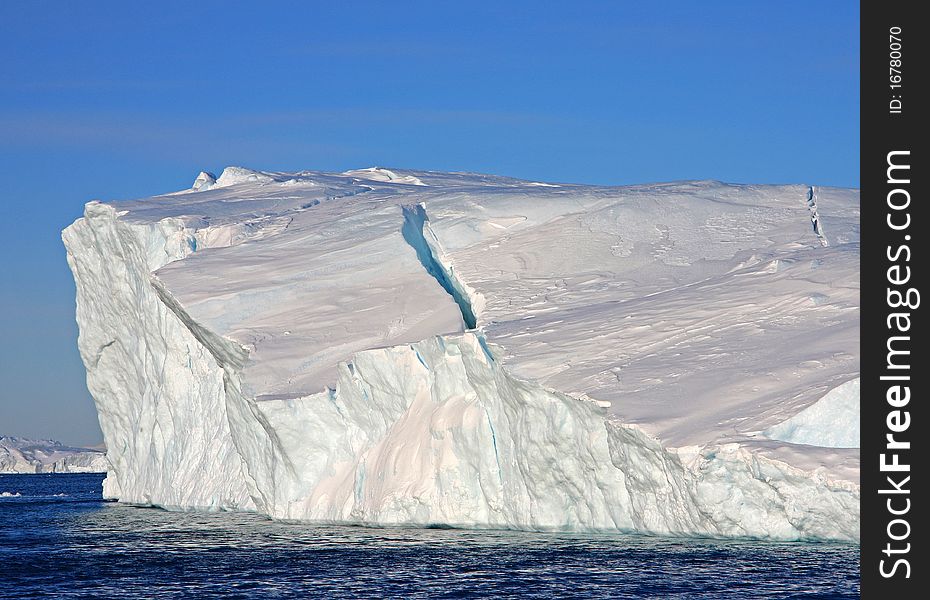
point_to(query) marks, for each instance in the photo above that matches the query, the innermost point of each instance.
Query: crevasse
(415, 230)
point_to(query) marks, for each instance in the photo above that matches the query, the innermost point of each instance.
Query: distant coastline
(27, 456)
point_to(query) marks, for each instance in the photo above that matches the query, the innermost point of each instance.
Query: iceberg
(423, 348)
(23, 455)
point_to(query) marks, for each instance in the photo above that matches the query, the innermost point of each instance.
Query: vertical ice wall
(438, 432)
(159, 392)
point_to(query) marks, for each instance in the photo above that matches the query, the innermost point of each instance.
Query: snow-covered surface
(296, 344)
(832, 421)
(22, 455)
(204, 181)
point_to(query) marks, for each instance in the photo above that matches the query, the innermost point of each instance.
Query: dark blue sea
(59, 539)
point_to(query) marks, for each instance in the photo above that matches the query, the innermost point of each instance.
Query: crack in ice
(414, 232)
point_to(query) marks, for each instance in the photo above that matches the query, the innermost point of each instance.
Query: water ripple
(76, 546)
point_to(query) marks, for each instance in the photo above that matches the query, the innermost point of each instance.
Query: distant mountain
(22, 455)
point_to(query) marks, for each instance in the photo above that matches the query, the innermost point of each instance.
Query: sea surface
(59, 539)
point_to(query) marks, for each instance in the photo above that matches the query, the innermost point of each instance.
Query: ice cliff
(403, 347)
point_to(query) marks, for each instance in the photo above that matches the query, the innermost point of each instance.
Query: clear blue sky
(103, 100)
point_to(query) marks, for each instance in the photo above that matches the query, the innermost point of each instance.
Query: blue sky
(102, 100)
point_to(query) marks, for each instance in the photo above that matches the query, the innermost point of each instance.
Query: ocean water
(59, 539)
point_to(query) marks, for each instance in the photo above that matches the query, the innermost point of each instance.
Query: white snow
(295, 344)
(386, 175)
(204, 181)
(22, 455)
(832, 421)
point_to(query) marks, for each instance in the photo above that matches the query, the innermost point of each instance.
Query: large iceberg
(404, 347)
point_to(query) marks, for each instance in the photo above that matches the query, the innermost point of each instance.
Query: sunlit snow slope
(386, 346)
